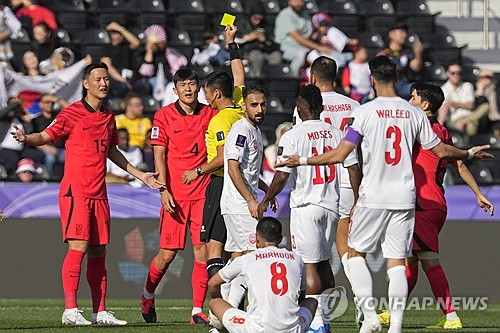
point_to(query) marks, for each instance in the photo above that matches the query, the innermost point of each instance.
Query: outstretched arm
(34, 139)
(451, 153)
(279, 181)
(468, 178)
(236, 63)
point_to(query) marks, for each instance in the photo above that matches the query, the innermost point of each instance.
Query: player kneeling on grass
(276, 287)
(430, 210)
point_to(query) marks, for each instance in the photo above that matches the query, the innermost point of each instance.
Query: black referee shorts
(213, 226)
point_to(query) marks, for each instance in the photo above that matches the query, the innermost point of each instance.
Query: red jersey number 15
(101, 145)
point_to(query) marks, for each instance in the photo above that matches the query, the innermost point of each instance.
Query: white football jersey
(390, 126)
(313, 185)
(337, 110)
(275, 278)
(243, 144)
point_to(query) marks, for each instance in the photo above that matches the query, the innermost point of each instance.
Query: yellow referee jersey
(220, 125)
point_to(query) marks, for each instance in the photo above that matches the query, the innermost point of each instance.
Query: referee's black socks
(213, 266)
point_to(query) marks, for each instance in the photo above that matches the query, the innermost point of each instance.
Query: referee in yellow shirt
(220, 96)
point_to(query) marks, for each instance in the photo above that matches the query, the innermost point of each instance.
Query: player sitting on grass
(275, 279)
(430, 208)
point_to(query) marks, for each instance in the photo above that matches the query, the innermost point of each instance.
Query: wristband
(471, 154)
(162, 189)
(234, 51)
(303, 160)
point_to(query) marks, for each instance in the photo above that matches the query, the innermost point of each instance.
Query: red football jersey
(429, 171)
(184, 137)
(89, 135)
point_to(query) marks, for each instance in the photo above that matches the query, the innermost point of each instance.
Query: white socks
(451, 316)
(362, 286)
(195, 311)
(237, 291)
(148, 295)
(398, 293)
(317, 321)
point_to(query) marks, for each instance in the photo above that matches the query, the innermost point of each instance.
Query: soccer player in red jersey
(178, 139)
(430, 207)
(91, 135)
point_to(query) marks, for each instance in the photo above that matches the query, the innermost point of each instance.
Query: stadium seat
(344, 14)
(62, 36)
(372, 40)
(379, 15)
(189, 15)
(224, 6)
(312, 7)
(470, 73)
(417, 14)
(3, 172)
(274, 105)
(107, 11)
(114, 104)
(21, 43)
(271, 8)
(151, 105)
(149, 12)
(71, 14)
(202, 71)
(185, 7)
(485, 139)
(482, 174)
(280, 80)
(180, 40)
(92, 40)
(435, 73)
(41, 173)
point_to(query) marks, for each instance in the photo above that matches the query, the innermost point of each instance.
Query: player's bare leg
(362, 285)
(218, 306)
(199, 280)
(157, 270)
(71, 270)
(440, 288)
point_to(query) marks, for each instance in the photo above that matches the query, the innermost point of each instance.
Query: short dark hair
(431, 93)
(383, 69)
(91, 67)
(256, 89)
(312, 95)
(123, 130)
(129, 96)
(185, 74)
(452, 64)
(324, 68)
(220, 80)
(269, 228)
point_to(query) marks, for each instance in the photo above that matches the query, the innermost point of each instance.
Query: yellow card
(227, 19)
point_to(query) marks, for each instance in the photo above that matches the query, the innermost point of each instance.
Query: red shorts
(173, 227)
(85, 219)
(428, 225)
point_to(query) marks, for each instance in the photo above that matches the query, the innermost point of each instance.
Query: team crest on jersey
(280, 150)
(240, 141)
(350, 121)
(155, 132)
(220, 136)
(52, 123)
(252, 239)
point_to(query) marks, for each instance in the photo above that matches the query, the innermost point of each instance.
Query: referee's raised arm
(237, 68)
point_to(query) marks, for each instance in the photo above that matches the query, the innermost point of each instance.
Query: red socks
(98, 281)
(440, 288)
(154, 277)
(71, 268)
(199, 280)
(411, 277)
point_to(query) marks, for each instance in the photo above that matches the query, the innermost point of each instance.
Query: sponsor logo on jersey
(240, 141)
(350, 121)
(220, 136)
(155, 132)
(52, 123)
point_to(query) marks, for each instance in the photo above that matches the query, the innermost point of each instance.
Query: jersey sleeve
(238, 95)
(229, 272)
(296, 119)
(159, 130)
(237, 142)
(114, 133)
(60, 127)
(426, 136)
(285, 148)
(357, 120)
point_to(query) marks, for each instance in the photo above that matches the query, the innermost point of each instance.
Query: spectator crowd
(142, 63)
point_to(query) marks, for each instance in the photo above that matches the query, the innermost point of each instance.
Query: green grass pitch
(44, 315)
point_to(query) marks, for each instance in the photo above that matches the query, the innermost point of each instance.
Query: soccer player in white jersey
(389, 127)
(337, 110)
(314, 196)
(276, 284)
(242, 162)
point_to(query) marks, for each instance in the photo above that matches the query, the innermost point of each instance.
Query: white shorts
(235, 321)
(312, 230)
(240, 232)
(394, 229)
(346, 202)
